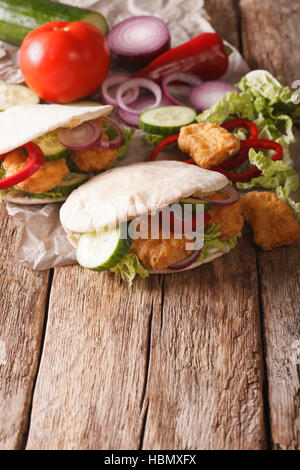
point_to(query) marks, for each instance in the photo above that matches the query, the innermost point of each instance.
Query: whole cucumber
(19, 17)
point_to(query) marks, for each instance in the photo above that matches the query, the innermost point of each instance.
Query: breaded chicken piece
(229, 218)
(272, 221)
(48, 177)
(208, 144)
(94, 159)
(160, 253)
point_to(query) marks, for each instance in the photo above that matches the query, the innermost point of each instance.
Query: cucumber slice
(103, 250)
(13, 95)
(195, 202)
(166, 120)
(70, 182)
(50, 145)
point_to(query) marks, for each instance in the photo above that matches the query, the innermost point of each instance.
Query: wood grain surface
(207, 359)
(23, 304)
(275, 28)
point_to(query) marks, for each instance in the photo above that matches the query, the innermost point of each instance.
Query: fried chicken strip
(272, 221)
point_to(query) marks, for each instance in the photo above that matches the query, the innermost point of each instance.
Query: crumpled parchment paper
(41, 242)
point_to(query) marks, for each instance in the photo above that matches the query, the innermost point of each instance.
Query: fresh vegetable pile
(261, 114)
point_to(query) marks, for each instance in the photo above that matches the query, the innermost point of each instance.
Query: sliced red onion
(141, 83)
(139, 39)
(82, 137)
(232, 193)
(207, 94)
(143, 103)
(184, 77)
(114, 80)
(185, 263)
(111, 144)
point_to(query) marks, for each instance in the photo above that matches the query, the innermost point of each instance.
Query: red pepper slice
(205, 55)
(164, 143)
(257, 144)
(238, 122)
(34, 162)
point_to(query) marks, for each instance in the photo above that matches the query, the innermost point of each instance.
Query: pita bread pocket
(41, 124)
(97, 215)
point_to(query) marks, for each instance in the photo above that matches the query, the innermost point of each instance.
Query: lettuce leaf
(213, 244)
(274, 173)
(283, 194)
(127, 135)
(154, 139)
(129, 267)
(268, 91)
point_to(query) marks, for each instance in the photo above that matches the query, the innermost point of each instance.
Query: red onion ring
(113, 80)
(139, 39)
(82, 137)
(233, 194)
(184, 77)
(138, 82)
(185, 263)
(111, 144)
(206, 94)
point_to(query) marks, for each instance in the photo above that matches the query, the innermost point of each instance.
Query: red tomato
(64, 62)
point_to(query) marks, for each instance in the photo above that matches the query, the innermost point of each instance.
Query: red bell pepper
(34, 162)
(238, 122)
(257, 144)
(204, 55)
(164, 143)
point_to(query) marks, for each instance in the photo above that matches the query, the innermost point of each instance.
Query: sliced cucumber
(14, 95)
(51, 146)
(103, 250)
(70, 182)
(191, 200)
(166, 120)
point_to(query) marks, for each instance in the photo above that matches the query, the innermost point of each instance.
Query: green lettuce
(273, 173)
(127, 135)
(154, 139)
(129, 267)
(213, 244)
(283, 193)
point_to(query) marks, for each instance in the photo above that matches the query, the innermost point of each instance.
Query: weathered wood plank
(271, 41)
(224, 19)
(205, 378)
(91, 381)
(23, 298)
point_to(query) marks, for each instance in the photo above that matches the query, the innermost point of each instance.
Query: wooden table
(207, 359)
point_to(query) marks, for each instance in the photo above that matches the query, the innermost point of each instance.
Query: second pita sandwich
(47, 150)
(154, 217)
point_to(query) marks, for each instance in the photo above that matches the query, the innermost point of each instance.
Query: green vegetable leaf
(213, 244)
(127, 134)
(129, 267)
(274, 173)
(283, 194)
(154, 139)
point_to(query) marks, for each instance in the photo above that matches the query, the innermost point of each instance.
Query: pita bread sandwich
(47, 150)
(117, 220)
